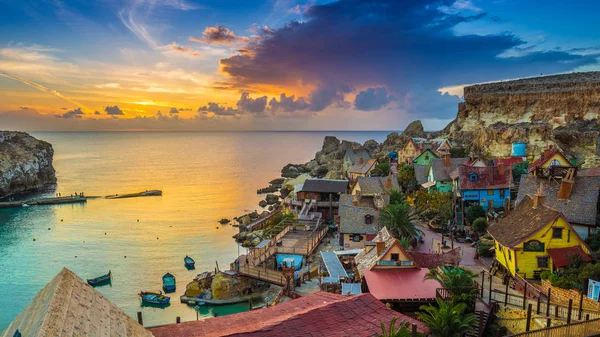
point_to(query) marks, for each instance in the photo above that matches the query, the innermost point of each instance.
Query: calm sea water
(204, 177)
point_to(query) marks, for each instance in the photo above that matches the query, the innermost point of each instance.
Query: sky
(215, 65)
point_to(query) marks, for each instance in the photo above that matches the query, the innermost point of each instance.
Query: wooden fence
(580, 329)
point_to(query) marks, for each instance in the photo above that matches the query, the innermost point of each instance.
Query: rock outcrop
(562, 110)
(25, 163)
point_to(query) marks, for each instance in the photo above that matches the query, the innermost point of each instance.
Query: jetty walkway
(73, 199)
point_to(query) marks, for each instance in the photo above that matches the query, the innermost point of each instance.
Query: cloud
(408, 47)
(108, 85)
(372, 99)
(288, 104)
(217, 109)
(185, 109)
(113, 110)
(173, 111)
(219, 35)
(184, 50)
(255, 106)
(23, 108)
(77, 113)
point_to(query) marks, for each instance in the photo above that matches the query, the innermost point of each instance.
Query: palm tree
(397, 197)
(447, 319)
(452, 278)
(405, 242)
(392, 331)
(381, 169)
(398, 219)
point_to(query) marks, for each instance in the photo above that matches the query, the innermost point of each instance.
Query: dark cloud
(173, 111)
(185, 109)
(113, 110)
(217, 109)
(252, 105)
(288, 104)
(327, 95)
(77, 113)
(219, 35)
(372, 99)
(409, 47)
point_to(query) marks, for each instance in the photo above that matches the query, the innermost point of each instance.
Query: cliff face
(25, 163)
(563, 110)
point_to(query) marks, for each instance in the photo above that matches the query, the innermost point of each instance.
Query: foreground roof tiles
(400, 284)
(67, 307)
(319, 314)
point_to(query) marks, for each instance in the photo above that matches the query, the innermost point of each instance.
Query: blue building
(487, 186)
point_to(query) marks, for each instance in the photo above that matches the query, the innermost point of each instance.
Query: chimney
(547, 151)
(566, 186)
(380, 248)
(538, 198)
(355, 199)
(447, 162)
(501, 169)
(388, 182)
(361, 160)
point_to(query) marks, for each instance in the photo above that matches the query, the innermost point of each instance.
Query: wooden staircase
(478, 326)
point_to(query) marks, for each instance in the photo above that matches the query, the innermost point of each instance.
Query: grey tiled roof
(362, 168)
(354, 156)
(442, 172)
(325, 186)
(352, 218)
(421, 173)
(376, 185)
(581, 208)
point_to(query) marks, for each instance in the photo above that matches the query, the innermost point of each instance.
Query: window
(395, 257)
(557, 233)
(473, 177)
(490, 192)
(554, 162)
(427, 156)
(568, 236)
(509, 256)
(542, 261)
(502, 194)
(357, 237)
(368, 219)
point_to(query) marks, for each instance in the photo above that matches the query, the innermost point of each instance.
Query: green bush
(480, 225)
(545, 274)
(593, 241)
(484, 251)
(474, 212)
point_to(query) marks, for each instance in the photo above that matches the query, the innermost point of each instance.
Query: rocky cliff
(562, 110)
(25, 163)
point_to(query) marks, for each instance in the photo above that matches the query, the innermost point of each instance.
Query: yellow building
(415, 146)
(534, 237)
(550, 163)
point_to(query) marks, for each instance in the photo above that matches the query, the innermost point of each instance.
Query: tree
(405, 242)
(398, 219)
(452, 278)
(401, 331)
(480, 225)
(435, 204)
(474, 212)
(519, 169)
(397, 197)
(382, 169)
(593, 241)
(447, 319)
(406, 177)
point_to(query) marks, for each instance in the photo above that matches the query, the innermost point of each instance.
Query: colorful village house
(359, 212)
(351, 157)
(391, 275)
(362, 168)
(442, 172)
(393, 157)
(487, 186)
(415, 146)
(535, 237)
(551, 164)
(319, 196)
(425, 157)
(575, 197)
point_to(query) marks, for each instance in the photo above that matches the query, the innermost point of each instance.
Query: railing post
(177, 320)
(525, 296)
(585, 286)
(537, 311)
(480, 332)
(556, 311)
(528, 324)
(141, 320)
(414, 330)
(482, 283)
(506, 296)
(569, 311)
(490, 288)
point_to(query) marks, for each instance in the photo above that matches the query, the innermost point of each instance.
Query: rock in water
(414, 129)
(25, 163)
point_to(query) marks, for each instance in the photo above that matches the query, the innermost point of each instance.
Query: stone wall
(559, 295)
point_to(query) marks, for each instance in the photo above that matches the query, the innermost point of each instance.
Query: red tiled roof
(591, 172)
(488, 177)
(508, 162)
(319, 314)
(434, 260)
(547, 154)
(400, 284)
(560, 256)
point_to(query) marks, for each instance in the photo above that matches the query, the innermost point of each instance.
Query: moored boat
(189, 262)
(154, 298)
(168, 283)
(100, 280)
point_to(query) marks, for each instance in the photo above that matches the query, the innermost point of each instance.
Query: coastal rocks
(25, 163)
(320, 171)
(262, 203)
(271, 199)
(284, 191)
(371, 145)
(415, 129)
(224, 221)
(293, 170)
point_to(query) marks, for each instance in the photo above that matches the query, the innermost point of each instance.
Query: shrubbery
(480, 225)
(484, 250)
(473, 212)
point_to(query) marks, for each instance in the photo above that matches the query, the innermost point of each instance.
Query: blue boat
(189, 262)
(154, 298)
(168, 283)
(100, 280)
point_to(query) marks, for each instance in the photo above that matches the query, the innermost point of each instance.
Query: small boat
(100, 280)
(154, 298)
(189, 262)
(168, 283)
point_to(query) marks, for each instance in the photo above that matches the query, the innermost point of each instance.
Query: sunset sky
(274, 64)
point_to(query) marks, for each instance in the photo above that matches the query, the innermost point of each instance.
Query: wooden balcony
(554, 171)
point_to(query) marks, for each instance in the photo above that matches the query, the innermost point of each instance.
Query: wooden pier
(43, 201)
(148, 193)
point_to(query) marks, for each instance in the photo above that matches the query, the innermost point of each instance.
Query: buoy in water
(48, 228)
(33, 239)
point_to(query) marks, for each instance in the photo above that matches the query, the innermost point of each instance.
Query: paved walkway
(431, 246)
